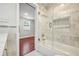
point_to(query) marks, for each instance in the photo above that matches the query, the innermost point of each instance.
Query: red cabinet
(26, 45)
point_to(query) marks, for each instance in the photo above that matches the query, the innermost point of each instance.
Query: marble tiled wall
(44, 20)
(69, 35)
(64, 34)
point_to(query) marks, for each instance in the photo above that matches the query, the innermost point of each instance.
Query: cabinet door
(26, 45)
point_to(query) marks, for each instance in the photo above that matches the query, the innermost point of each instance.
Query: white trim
(36, 27)
(17, 32)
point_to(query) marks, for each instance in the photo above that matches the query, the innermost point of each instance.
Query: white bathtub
(59, 50)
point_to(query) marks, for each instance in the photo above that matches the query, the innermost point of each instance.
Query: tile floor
(34, 53)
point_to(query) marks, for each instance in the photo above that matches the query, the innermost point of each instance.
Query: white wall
(9, 11)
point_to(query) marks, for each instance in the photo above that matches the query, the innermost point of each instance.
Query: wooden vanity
(24, 42)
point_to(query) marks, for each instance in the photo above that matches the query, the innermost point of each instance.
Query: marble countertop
(27, 36)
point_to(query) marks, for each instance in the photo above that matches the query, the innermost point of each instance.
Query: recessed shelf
(61, 22)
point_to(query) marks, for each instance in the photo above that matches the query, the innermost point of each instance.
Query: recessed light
(26, 14)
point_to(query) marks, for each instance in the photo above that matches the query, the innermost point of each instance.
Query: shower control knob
(38, 39)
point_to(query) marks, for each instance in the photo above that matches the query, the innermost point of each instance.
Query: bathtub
(59, 49)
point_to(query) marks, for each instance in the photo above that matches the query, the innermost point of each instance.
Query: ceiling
(48, 5)
(27, 11)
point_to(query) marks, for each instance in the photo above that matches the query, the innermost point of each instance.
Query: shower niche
(61, 30)
(61, 22)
